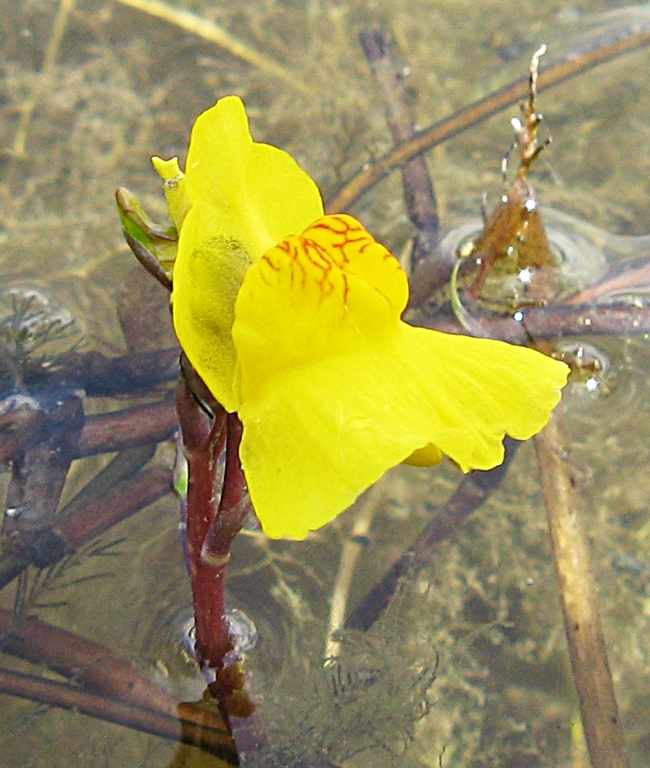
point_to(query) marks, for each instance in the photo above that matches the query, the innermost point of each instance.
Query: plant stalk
(579, 598)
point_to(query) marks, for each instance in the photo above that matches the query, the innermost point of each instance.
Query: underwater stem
(579, 598)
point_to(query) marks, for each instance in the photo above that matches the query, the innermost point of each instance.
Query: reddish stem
(203, 443)
(233, 505)
(210, 535)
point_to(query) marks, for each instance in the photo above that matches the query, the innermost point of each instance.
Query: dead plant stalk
(579, 599)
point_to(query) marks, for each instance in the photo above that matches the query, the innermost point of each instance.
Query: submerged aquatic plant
(36, 335)
(293, 321)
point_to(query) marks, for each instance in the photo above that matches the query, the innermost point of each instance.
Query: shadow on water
(468, 664)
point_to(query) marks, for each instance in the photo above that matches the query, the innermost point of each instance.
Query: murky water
(468, 667)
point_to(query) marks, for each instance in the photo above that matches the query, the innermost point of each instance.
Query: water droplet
(590, 368)
(525, 275)
(242, 630)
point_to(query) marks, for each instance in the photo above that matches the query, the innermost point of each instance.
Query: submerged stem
(579, 598)
(211, 531)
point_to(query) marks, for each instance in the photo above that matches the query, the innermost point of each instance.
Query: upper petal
(257, 194)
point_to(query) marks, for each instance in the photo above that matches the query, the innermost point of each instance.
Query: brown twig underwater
(113, 688)
(39, 471)
(101, 505)
(177, 728)
(102, 376)
(579, 598)
(420, 197)
(80, 660)
(429, 268)
(101, 433)
(128, 428)
(621, 318)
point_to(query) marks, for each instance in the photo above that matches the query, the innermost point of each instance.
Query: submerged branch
(216, 741)
(616, 319)
(128, 428)
(419, 195)
(82, 661)
(580, 603)
(98, 513)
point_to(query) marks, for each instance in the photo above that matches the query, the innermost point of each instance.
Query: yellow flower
(293, 320)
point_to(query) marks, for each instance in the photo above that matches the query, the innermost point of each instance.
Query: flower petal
(257, 194)
(245, 197)
(315, 296)
(336, 389)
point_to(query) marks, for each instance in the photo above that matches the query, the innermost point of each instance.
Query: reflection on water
(469, 661)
